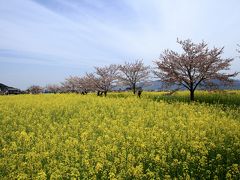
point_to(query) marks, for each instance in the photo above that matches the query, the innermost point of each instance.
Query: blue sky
(45, 41)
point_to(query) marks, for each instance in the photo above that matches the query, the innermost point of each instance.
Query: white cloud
(89, 33)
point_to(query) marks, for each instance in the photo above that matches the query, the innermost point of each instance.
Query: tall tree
(53, 88)
(133, 73)
(34, 89)
(70, 84)
(103, 79)
(84, 84)
(197, 65)
(75, 84)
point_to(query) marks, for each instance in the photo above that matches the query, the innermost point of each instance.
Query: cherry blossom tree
(103, 79)
(197, 65)
(132, 73)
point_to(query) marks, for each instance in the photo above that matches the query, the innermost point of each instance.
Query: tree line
(197, 65)
(102, 80)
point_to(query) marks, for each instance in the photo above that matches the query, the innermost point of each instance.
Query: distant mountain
(156, 86)
(237, 84)
(8, 90)
(159, 85)
(3, 87)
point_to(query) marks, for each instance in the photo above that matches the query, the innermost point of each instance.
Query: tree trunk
(134, 89)
(105, 93)
(191, 95)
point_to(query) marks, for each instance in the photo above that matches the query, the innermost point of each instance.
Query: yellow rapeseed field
(70, 136)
